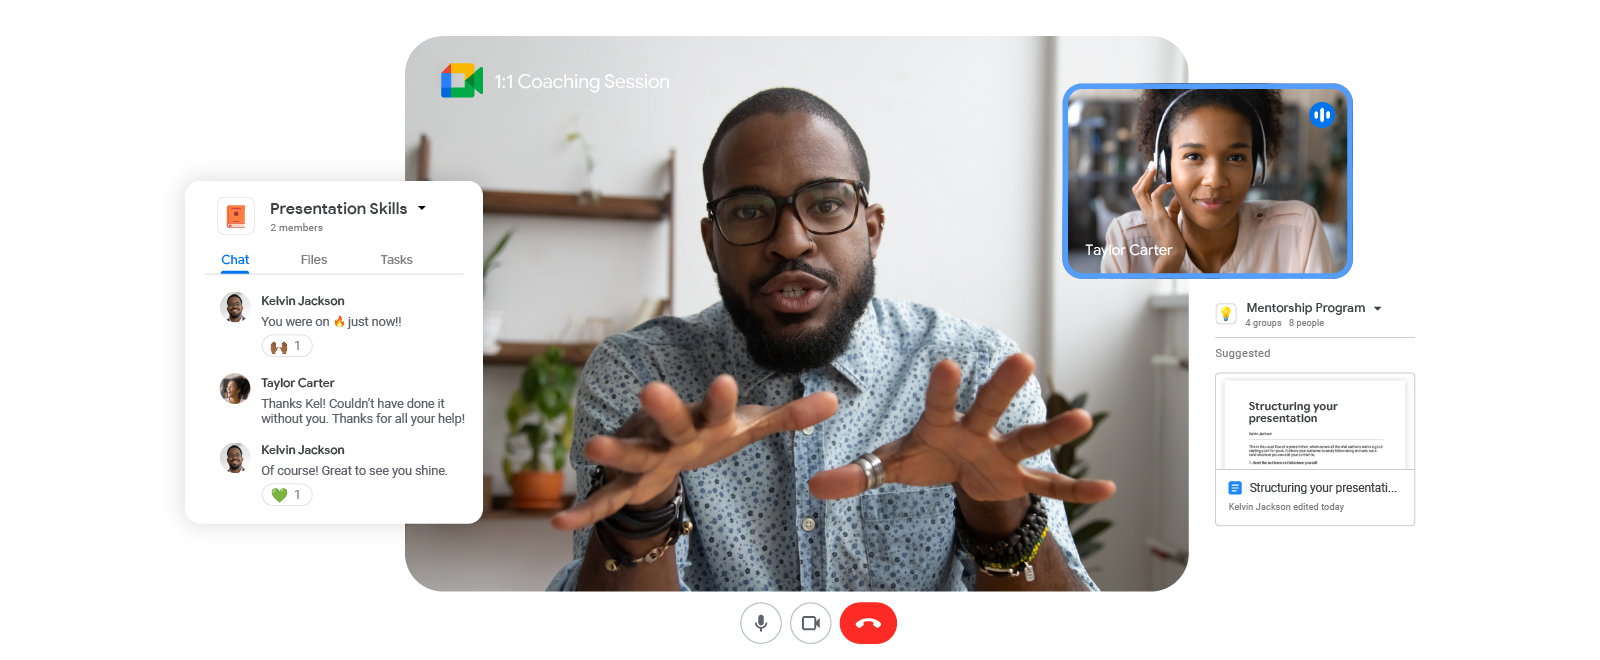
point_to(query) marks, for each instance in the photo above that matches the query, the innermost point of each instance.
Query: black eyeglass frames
(829, 206)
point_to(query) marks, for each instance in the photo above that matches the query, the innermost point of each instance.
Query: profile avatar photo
(234, 388)
(233, 307)
(235, 458)
(1205, 181)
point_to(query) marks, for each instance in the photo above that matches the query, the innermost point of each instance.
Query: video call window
(885, 271)
(1206, 180)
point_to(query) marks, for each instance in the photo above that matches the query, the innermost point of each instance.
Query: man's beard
(809, 351)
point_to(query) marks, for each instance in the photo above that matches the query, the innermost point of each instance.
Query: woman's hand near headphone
(1162, 220)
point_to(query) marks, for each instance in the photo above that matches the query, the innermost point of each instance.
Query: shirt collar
(855, 364)
(745, 371)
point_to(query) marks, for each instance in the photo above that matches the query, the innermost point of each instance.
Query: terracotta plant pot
(536, 490)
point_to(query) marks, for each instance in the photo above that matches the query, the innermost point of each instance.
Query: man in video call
(235, 459)
(818, 437)
(235, 308)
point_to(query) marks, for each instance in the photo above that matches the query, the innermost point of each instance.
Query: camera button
(810, 623)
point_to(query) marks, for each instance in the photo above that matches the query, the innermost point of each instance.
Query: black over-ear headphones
(1258, 153)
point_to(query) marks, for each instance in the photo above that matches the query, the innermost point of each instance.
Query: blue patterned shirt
(756, 525)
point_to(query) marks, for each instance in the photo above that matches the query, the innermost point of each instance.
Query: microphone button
(760, 623)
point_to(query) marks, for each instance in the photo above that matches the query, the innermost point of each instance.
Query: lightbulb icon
(1225, 312)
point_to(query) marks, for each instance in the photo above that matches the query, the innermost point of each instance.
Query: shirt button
(808, 430)
(808, 524)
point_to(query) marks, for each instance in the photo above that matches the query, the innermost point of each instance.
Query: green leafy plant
(1067, 463)
(541, 409)
(489, 262)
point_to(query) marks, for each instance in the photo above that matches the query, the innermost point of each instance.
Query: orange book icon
(236, 216)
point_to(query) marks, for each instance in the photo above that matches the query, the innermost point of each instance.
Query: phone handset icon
(863, 622)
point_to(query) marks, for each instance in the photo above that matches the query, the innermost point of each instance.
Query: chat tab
(332, 363)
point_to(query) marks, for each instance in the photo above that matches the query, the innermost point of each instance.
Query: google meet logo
(460, 81)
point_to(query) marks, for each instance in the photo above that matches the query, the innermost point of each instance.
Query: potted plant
(493, 320)
(591, 194)
(541, 410)
(1067, 463)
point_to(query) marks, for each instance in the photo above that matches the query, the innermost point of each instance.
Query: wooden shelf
(570, 206)
(508, 513)
(648, 209)
(518, 353)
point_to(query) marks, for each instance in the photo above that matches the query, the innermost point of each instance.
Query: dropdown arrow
(420, 207)
(1376, 307)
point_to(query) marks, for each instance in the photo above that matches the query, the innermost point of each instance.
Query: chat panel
(332, 372)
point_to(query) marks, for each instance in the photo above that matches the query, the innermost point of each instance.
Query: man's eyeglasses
(829, 206)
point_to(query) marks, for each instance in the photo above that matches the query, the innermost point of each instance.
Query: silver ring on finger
(873, 467)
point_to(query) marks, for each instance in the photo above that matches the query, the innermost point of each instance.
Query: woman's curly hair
(240, 382)
(1266, 103)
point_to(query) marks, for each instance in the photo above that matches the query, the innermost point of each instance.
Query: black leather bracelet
(1004, 557)
(632, 524)
(670, 519)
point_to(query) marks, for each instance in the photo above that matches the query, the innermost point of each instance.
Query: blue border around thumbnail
(1350, 188)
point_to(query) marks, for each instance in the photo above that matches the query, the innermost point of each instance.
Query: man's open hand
(946, 447)
(668, 436)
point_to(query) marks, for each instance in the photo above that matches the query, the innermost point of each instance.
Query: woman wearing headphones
(1210, 146)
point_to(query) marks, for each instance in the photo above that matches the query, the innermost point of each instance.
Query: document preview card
(1316, 449)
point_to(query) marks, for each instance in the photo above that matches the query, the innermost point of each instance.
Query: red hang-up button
(867, 623)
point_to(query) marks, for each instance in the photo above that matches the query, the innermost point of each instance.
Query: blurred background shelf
(573, 205)
(652, 209)
(502, 510)
(518, 353)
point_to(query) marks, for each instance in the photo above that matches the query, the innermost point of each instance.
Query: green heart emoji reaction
(280, 493)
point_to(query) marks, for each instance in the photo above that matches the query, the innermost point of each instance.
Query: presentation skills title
(339, 208)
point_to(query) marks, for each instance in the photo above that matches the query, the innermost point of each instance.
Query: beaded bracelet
(1003, 557)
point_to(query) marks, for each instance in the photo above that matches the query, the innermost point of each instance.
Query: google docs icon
(1235, 487)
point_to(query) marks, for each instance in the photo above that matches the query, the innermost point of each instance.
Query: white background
(1469, 159)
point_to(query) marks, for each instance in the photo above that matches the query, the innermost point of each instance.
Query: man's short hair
(232, 447)
(780, 101)
(234, 295)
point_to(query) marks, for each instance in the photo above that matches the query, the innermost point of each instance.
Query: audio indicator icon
(1321, 115)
